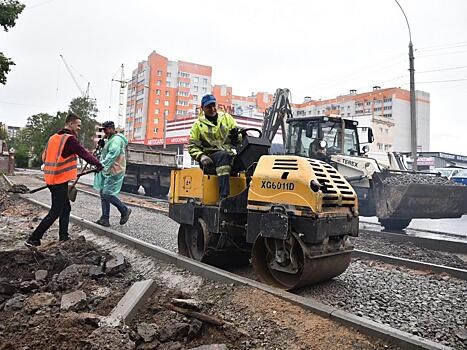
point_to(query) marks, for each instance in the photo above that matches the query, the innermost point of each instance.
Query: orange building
(161, 90)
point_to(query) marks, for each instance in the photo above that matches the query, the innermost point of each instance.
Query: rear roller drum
(192, 240)
(283, 263)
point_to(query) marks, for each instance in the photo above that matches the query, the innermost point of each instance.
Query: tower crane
(123, 84)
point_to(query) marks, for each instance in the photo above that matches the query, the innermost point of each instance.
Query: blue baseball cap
(207, 100)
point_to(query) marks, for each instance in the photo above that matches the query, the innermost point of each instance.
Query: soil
(34, 318)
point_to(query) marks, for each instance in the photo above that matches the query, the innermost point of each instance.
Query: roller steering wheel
(243, 132)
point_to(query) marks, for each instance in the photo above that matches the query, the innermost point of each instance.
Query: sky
(319, 49)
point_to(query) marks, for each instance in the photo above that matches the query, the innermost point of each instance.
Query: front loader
(394, 196)
(291, 215)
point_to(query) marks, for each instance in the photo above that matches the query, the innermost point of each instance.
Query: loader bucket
(415, 195)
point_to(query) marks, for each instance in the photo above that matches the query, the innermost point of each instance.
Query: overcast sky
(315, 48)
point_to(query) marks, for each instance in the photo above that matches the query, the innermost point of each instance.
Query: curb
(366, 326)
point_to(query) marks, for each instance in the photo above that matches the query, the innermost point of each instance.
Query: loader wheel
(394, 224)
(192, 240)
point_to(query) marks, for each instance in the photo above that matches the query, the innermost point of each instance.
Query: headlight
(323, 144)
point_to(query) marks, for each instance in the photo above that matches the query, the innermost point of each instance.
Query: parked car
(446, 172)
(460, 177)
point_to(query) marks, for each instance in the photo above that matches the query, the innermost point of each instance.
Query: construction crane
(84, 94)
(123, 84)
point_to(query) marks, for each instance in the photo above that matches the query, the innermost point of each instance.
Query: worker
(60, 166)
(109, 181)
(212, 140)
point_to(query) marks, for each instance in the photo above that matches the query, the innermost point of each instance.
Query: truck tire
(394, 224)
(164, 191)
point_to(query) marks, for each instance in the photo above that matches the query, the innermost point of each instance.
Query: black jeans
(60, 209)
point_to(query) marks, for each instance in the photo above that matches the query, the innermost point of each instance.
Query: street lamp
(413, 113)
(164, 120)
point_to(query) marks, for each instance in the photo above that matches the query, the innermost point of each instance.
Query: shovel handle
(79, 175)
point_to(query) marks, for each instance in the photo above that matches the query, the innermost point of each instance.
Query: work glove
(233, 135)
(205, 160)
(100, 167)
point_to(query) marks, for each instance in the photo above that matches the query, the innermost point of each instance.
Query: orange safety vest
(57, 169)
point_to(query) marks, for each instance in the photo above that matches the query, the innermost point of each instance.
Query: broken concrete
(192, 304)
(174, 331)
(211, 347)
(115, 264)
(74, 300)
(15, 303)
(148, 331)
(109, 338)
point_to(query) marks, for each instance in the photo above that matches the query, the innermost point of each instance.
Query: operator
(212, 140)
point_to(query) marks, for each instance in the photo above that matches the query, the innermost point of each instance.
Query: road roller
(290, 216)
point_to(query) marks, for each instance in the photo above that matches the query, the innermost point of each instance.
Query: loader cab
(306, 135)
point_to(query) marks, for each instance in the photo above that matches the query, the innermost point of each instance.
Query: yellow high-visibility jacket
(207, 138)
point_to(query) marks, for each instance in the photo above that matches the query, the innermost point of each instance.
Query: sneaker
(125, 217)
(31, 243)
(103, 222)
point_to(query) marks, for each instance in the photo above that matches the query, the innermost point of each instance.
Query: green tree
(22, 150)
(9, 11)
(86, 108)
(39, 128)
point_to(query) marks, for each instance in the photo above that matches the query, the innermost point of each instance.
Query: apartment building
(386, 111)
(241, 105)
(161, 90)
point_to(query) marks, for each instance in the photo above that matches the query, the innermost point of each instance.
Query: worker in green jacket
(212, 138)
(110, 180)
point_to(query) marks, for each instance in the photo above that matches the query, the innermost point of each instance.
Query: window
(158, 92)
(387, 147)
(195, 79)
(184, 74)
(167, 93)
(195, 88)
(156, 130)
(183, 93)
(169, 74)
(183, 84)
(168, 84)
(166, 112)
(380, 146)
(159, 73)
(158, 83)
(204, 89)
(195, 97)
(156, 111)
(166, 103)
(156, 120)
(205, 81)
(157, 101)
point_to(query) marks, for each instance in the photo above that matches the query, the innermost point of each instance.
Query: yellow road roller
(291, 216)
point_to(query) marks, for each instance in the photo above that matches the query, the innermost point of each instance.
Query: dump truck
(279, 213)
(391, 192)
(149, 167)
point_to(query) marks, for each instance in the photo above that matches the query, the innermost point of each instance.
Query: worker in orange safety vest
(60, 166)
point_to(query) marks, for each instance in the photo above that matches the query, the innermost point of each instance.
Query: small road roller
(291, 216)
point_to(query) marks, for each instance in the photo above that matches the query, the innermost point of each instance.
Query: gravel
(366, 241)
(431, 306)
(406, 179)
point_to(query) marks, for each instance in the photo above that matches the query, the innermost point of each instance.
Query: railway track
(369, 288)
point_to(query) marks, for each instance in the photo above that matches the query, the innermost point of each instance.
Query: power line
(442, 46)
(439, 81)
(441, 54)
(441, 69)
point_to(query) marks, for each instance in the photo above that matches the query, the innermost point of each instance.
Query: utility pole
(413, 112)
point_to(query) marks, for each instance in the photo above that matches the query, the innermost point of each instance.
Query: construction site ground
(36, 287)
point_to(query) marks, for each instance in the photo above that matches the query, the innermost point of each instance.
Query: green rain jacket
(207, 138)
(110, 179)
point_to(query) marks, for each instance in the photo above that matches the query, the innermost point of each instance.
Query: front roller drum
(283, 264)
